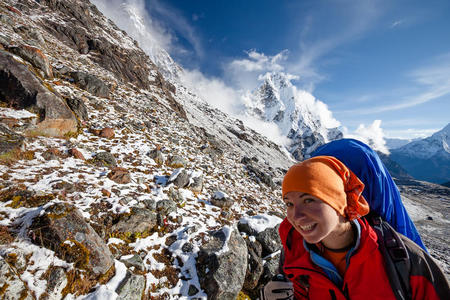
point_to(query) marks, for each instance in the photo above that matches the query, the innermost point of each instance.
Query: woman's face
(315, 220)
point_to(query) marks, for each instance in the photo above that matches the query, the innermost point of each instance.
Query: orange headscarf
(328, 179)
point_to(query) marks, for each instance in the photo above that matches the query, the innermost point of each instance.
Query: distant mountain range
(394, 143)
(426, 159)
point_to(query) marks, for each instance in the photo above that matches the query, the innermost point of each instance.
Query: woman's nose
(298, 212)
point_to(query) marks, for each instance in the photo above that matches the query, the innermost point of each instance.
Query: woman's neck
(343, 236)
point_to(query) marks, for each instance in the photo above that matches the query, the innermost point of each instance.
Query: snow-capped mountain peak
(298, 114)
(429, 146)
(427, 159)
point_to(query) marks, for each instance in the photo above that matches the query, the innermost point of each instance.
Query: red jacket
(365, 277)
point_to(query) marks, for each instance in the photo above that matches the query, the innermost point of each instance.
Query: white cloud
(152, 33)
(213, 90)
(396, 23)
(131, 16)
(372, 135)
(410, 133)
(243, 73)
(177, 22)
(270, 130)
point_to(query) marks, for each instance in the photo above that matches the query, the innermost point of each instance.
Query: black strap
(395, 254)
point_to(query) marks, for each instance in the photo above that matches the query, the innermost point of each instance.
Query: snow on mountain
(131, 16)
(427, 159)
(306, 121)
(430, 146)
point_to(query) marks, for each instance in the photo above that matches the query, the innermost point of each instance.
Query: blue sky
(367, 60)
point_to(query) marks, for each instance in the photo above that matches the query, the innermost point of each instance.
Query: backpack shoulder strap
(396, 257)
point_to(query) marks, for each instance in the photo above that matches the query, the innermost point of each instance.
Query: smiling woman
(331, 253)
(317, 221)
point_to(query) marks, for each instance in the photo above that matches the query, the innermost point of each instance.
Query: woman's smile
(308, 228)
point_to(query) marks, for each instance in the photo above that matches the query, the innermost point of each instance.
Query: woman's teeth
(307, 227)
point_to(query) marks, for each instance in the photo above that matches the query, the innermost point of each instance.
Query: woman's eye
(289, 204)
(309, 200)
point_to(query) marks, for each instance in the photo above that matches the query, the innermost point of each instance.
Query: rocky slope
(121, 202)
(427, 159)
(115, 183)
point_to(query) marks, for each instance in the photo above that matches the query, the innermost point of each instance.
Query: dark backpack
(396, 257)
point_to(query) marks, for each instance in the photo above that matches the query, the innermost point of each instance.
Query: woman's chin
(312, 240)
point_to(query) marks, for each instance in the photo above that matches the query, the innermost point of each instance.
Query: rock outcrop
(63, 229)
(20, 88)
(222, 264)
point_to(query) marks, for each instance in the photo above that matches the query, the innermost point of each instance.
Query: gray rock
(157, 156)
(134, 261)
(176, 161)
(105, 159)
(165, 207)
(131, 287)
(270, 240)
(221, 200)
(245, 227)
(175, 195)
(49, 155)
(60, 70)
(34, 56)
(222, 273)
(271, 268)
(78, 107)
(257, 172)
(11, 283)
(150, 204)
(187, 247)
(255, 265)
(196, 184)
(63, 229)
(139, 220)
(90, 83)
(6, 20)
(20, 89)
(192, 290)
(181, 180)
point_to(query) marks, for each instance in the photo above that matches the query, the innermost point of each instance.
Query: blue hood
(380, 190)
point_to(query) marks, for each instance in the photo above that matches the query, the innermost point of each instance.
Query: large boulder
(138, 221)
(90, 83)
(35, 57)
(21, 89)
(62, 228)
(222, 264)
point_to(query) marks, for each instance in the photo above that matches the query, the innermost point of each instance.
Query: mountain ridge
(427, 159)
